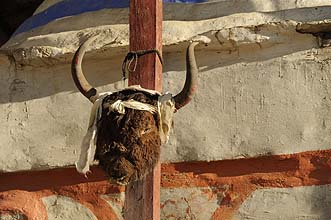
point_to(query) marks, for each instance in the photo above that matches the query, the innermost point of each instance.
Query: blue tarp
(75, 7)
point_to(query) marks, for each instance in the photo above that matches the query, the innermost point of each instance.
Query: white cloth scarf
(165, 111)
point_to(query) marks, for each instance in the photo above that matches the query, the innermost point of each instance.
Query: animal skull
(128, 145)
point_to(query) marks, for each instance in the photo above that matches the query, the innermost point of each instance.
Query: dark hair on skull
(128, 145)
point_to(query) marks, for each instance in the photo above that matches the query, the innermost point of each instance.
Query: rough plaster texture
(250, 108)
(311, 203)
(64, 208)
(116, 202)
(13, 216)
(44, 120)
(56, 41)
(189, 203)
(181, 203)
(264, 87)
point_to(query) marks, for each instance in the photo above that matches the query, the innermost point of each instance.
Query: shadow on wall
(28, 83)
(244, 166)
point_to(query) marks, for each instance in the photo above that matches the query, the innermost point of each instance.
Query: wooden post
(142, 198)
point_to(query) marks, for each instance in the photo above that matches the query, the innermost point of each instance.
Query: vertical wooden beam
(143, 197)
(146, 33)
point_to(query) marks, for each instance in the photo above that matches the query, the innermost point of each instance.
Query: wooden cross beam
(142, 198)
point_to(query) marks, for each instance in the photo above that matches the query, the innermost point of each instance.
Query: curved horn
(77, 73)
(191, 83)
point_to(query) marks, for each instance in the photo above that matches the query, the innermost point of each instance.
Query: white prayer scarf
(165, 110)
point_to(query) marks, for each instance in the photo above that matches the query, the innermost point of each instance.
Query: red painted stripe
(307, 168)
(236, 179)
(48, 179)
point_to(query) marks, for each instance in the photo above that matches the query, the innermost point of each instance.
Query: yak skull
(128, 144)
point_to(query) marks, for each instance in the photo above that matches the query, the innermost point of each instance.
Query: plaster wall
(264, 90)
(295, 203)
